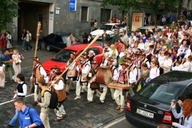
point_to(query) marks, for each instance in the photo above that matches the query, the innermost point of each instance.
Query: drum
(94, 85)
(116, 85)
(103, 76)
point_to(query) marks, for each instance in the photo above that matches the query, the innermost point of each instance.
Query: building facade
(60, 16)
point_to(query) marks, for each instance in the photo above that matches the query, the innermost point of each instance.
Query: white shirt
(167, 62)
(59, 85)
(187, 52)
(141, 46)
(154, 72)
(43, 72)
(72, 66)
(161, 59)
(185, 67)
(133, 76)
(24, 93)
(125, 39)
(2, 68)
(16, 58)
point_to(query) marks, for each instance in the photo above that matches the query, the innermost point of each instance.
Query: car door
(58, 43)
(49, 40)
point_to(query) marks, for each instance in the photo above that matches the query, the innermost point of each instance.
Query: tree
(8, 10)
(125, 6)
(161, 5)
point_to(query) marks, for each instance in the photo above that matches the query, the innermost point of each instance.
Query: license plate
(145, 113)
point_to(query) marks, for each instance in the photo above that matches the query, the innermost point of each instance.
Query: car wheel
(48, 48)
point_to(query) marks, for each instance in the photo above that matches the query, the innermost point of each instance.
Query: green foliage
(158, 5)
(8, 10)
(123, 4)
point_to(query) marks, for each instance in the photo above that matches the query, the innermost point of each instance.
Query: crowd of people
(131, 59)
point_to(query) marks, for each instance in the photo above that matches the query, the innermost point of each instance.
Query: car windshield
(163, 93)
(63, 56)
(106, 27)
(64, 38)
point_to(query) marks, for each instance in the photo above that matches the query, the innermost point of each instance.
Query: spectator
(7, 60)
(124, 37)
(40, 41)
(116, 36)
(17, 59)
(95, 26)
(28, 117)
(89, 38)
(154, 71)
(2, 75)
(30, 39)
(187, 114)
(92, 25)
(23, 37)
(104, 38)
(177, 109)
(3, 42)
(8, 39)
(163, 20)
(69, 39)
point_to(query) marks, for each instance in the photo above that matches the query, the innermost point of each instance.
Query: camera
(173, 101)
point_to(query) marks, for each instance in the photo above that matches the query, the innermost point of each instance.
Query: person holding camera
(186, 114)
(177, 109)
(17, 59)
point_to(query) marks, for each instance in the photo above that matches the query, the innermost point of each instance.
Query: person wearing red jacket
(3, 42)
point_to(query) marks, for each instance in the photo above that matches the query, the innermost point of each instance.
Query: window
(51, 37)
(84, 13)
(58, 39)
(63, 56)
(96, 50)
(105, 15)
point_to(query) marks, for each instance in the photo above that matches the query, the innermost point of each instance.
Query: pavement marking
(12, 100)
(114, 122)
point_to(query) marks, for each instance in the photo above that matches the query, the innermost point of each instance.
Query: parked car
(109, 27)
(61, 58)
(151, 105)
(144, 28)
(57, 41)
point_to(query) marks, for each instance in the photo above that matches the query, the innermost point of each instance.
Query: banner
(137, 20)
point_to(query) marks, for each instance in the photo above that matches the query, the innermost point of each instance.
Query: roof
(61, 33)
(175, 76)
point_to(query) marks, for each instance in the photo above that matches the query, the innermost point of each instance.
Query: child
(2, 75)
(17, 59)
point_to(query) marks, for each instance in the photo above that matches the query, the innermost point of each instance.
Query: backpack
(54, 100)
(41, 126)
